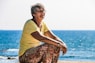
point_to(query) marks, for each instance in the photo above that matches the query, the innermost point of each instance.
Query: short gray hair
(34, 7)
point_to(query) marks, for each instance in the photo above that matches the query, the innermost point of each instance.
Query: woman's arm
(48, 40)
(45, 39)
(51, 35)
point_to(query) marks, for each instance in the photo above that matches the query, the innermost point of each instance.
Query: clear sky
(60, 14)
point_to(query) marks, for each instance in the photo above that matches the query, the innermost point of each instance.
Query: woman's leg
(51, 55)
(44, 53)
(33, 55)
(56, 55)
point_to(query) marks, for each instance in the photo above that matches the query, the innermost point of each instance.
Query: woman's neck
(38, 22)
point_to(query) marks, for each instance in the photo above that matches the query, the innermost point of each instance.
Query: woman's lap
(45, 53)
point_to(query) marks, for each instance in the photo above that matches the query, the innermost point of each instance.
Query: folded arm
(50, 39)
(45, 39)
(51, 35)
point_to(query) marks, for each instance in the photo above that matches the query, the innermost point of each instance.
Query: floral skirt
(45, 53)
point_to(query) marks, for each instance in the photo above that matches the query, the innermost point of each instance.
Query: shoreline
(15, 60)
(59, 61)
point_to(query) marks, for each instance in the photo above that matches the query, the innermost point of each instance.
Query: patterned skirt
(45, 53)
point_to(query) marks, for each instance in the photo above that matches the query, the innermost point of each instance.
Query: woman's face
(39, 14)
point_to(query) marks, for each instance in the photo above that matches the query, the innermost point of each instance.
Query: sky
(60, 14)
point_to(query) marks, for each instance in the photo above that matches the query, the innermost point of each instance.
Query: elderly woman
(38, 44)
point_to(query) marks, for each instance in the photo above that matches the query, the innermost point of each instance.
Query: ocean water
(80, 43)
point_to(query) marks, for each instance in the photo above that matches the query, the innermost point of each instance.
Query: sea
(80, 43)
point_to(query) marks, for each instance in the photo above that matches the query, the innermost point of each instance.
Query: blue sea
(80, 43)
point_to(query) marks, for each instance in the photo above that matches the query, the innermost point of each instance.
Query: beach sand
(75, 62)
(15, 60)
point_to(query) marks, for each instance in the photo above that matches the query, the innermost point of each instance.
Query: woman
(38, 44)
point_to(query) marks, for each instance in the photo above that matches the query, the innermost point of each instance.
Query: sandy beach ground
(15, 60)
(75, 62)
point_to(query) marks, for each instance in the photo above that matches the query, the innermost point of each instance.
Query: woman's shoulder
(29, 21)
(43, 22)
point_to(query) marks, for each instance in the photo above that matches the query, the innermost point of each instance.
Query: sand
(15, 60)
(75, 62)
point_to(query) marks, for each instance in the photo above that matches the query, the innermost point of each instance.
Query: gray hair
(34, 7)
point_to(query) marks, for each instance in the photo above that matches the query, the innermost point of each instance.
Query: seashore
(15, 60)
(60, 61)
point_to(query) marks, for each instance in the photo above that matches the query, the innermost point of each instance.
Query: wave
(9, 52)
(13, 50)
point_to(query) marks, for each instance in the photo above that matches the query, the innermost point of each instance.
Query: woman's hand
(63, 48)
